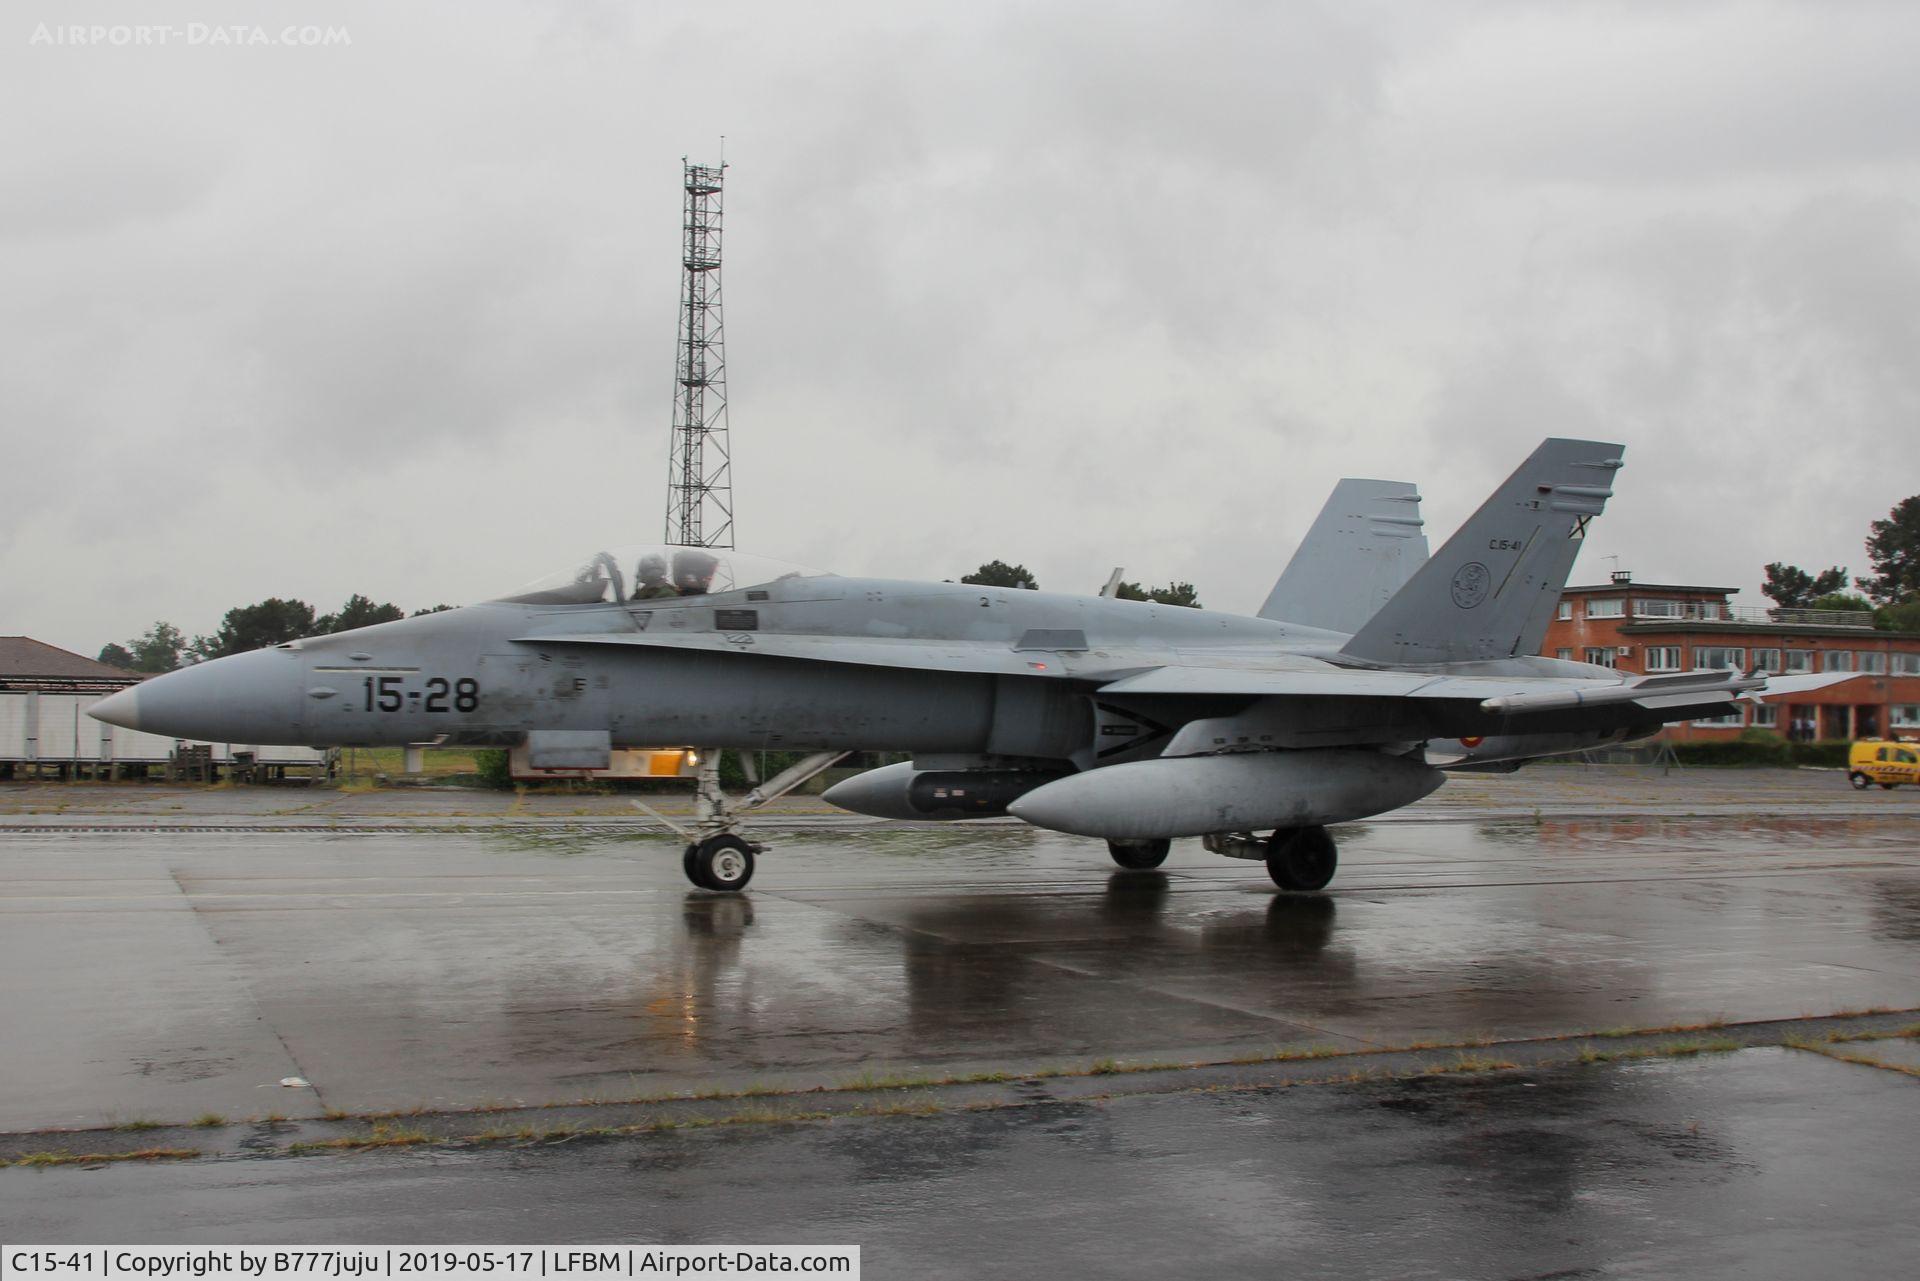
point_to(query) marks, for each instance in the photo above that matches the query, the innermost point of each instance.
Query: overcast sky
(1072, 284)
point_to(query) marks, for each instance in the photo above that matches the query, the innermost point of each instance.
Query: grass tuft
(100, 1158)
(1669, 1050)
(381, 1136)
(906, 1107)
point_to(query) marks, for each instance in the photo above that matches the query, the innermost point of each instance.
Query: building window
(1799, 662)
(1607, 608)
(1730, 720)
(1566, 655)
(1906, 715)
(1767, 660)
(1663, 658)
(1872, 662)
(1566, 611)
(1659, 609)
(1906, 664)
(1600, 655)
(1836, 660)
(1766, 715)
(1720, 658)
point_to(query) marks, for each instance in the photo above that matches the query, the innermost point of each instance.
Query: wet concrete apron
(163, 977)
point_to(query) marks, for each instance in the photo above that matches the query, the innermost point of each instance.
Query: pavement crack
(253, 997)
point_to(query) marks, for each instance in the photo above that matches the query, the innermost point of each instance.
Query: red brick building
(1663, 627)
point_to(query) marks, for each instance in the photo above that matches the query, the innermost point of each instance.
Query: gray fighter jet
(1132, 722)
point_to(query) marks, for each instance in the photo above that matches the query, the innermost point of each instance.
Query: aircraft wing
(1195, 673)
(1344, 707)
(1316, 683)
(1493, 694)
(1290, 700)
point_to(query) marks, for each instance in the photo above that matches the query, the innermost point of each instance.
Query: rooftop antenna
(699, 458)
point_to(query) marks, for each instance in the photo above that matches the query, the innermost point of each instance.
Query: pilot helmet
(693, 571)
(653, 569)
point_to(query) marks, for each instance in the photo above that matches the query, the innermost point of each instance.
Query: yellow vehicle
(1874, 760)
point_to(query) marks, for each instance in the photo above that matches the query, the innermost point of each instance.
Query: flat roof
(1648, 587)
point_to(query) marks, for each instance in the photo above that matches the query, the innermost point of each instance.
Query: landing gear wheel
(1139, 856)
(1860, 781)
(723, 863)
(1302, 858)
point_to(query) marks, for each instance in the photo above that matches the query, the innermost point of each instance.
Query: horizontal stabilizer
(1681, 689)
(1780, 686)
(1291, 708)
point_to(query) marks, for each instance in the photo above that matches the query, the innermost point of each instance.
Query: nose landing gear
(723, 862)
(717, 856)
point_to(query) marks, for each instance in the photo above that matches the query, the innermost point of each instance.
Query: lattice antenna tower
(699, 461)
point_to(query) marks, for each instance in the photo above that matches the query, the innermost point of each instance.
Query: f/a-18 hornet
(1369, 673)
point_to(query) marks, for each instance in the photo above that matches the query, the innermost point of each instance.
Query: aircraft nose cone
(248, 698)
(122, 709)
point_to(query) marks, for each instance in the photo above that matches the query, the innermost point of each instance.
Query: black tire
(723, 863)
(1139, 856)
(688, 865)
(1302, 858)
(1860, 781)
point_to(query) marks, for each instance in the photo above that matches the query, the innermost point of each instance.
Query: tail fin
(1491, 591)
(1363, 547)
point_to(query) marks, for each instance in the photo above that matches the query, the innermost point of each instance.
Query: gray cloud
(1078, 285)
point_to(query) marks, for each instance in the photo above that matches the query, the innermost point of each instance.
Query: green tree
(431, 609)
(1172, 594)
(357, 612)
(1791, 587)
(247, 627)
(1904, 617)
(494, 767)
(1842, 600)
(1893, 545)
(997, 573)
(159, 649)
(115, 656)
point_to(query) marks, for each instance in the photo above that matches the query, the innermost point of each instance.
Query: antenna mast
(699, 461)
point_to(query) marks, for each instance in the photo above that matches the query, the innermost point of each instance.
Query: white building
(45, 730)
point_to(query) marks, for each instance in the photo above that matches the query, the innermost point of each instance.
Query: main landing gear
(1297, 858)
(1139, 856)
(717, 856)
(1302, 858)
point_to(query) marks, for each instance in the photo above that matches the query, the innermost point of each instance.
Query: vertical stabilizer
(1363, 547)
(1491, 591)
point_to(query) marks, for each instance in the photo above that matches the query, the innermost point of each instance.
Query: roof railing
(1695, 611)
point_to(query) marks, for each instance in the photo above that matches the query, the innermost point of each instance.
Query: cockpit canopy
(653, 572)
